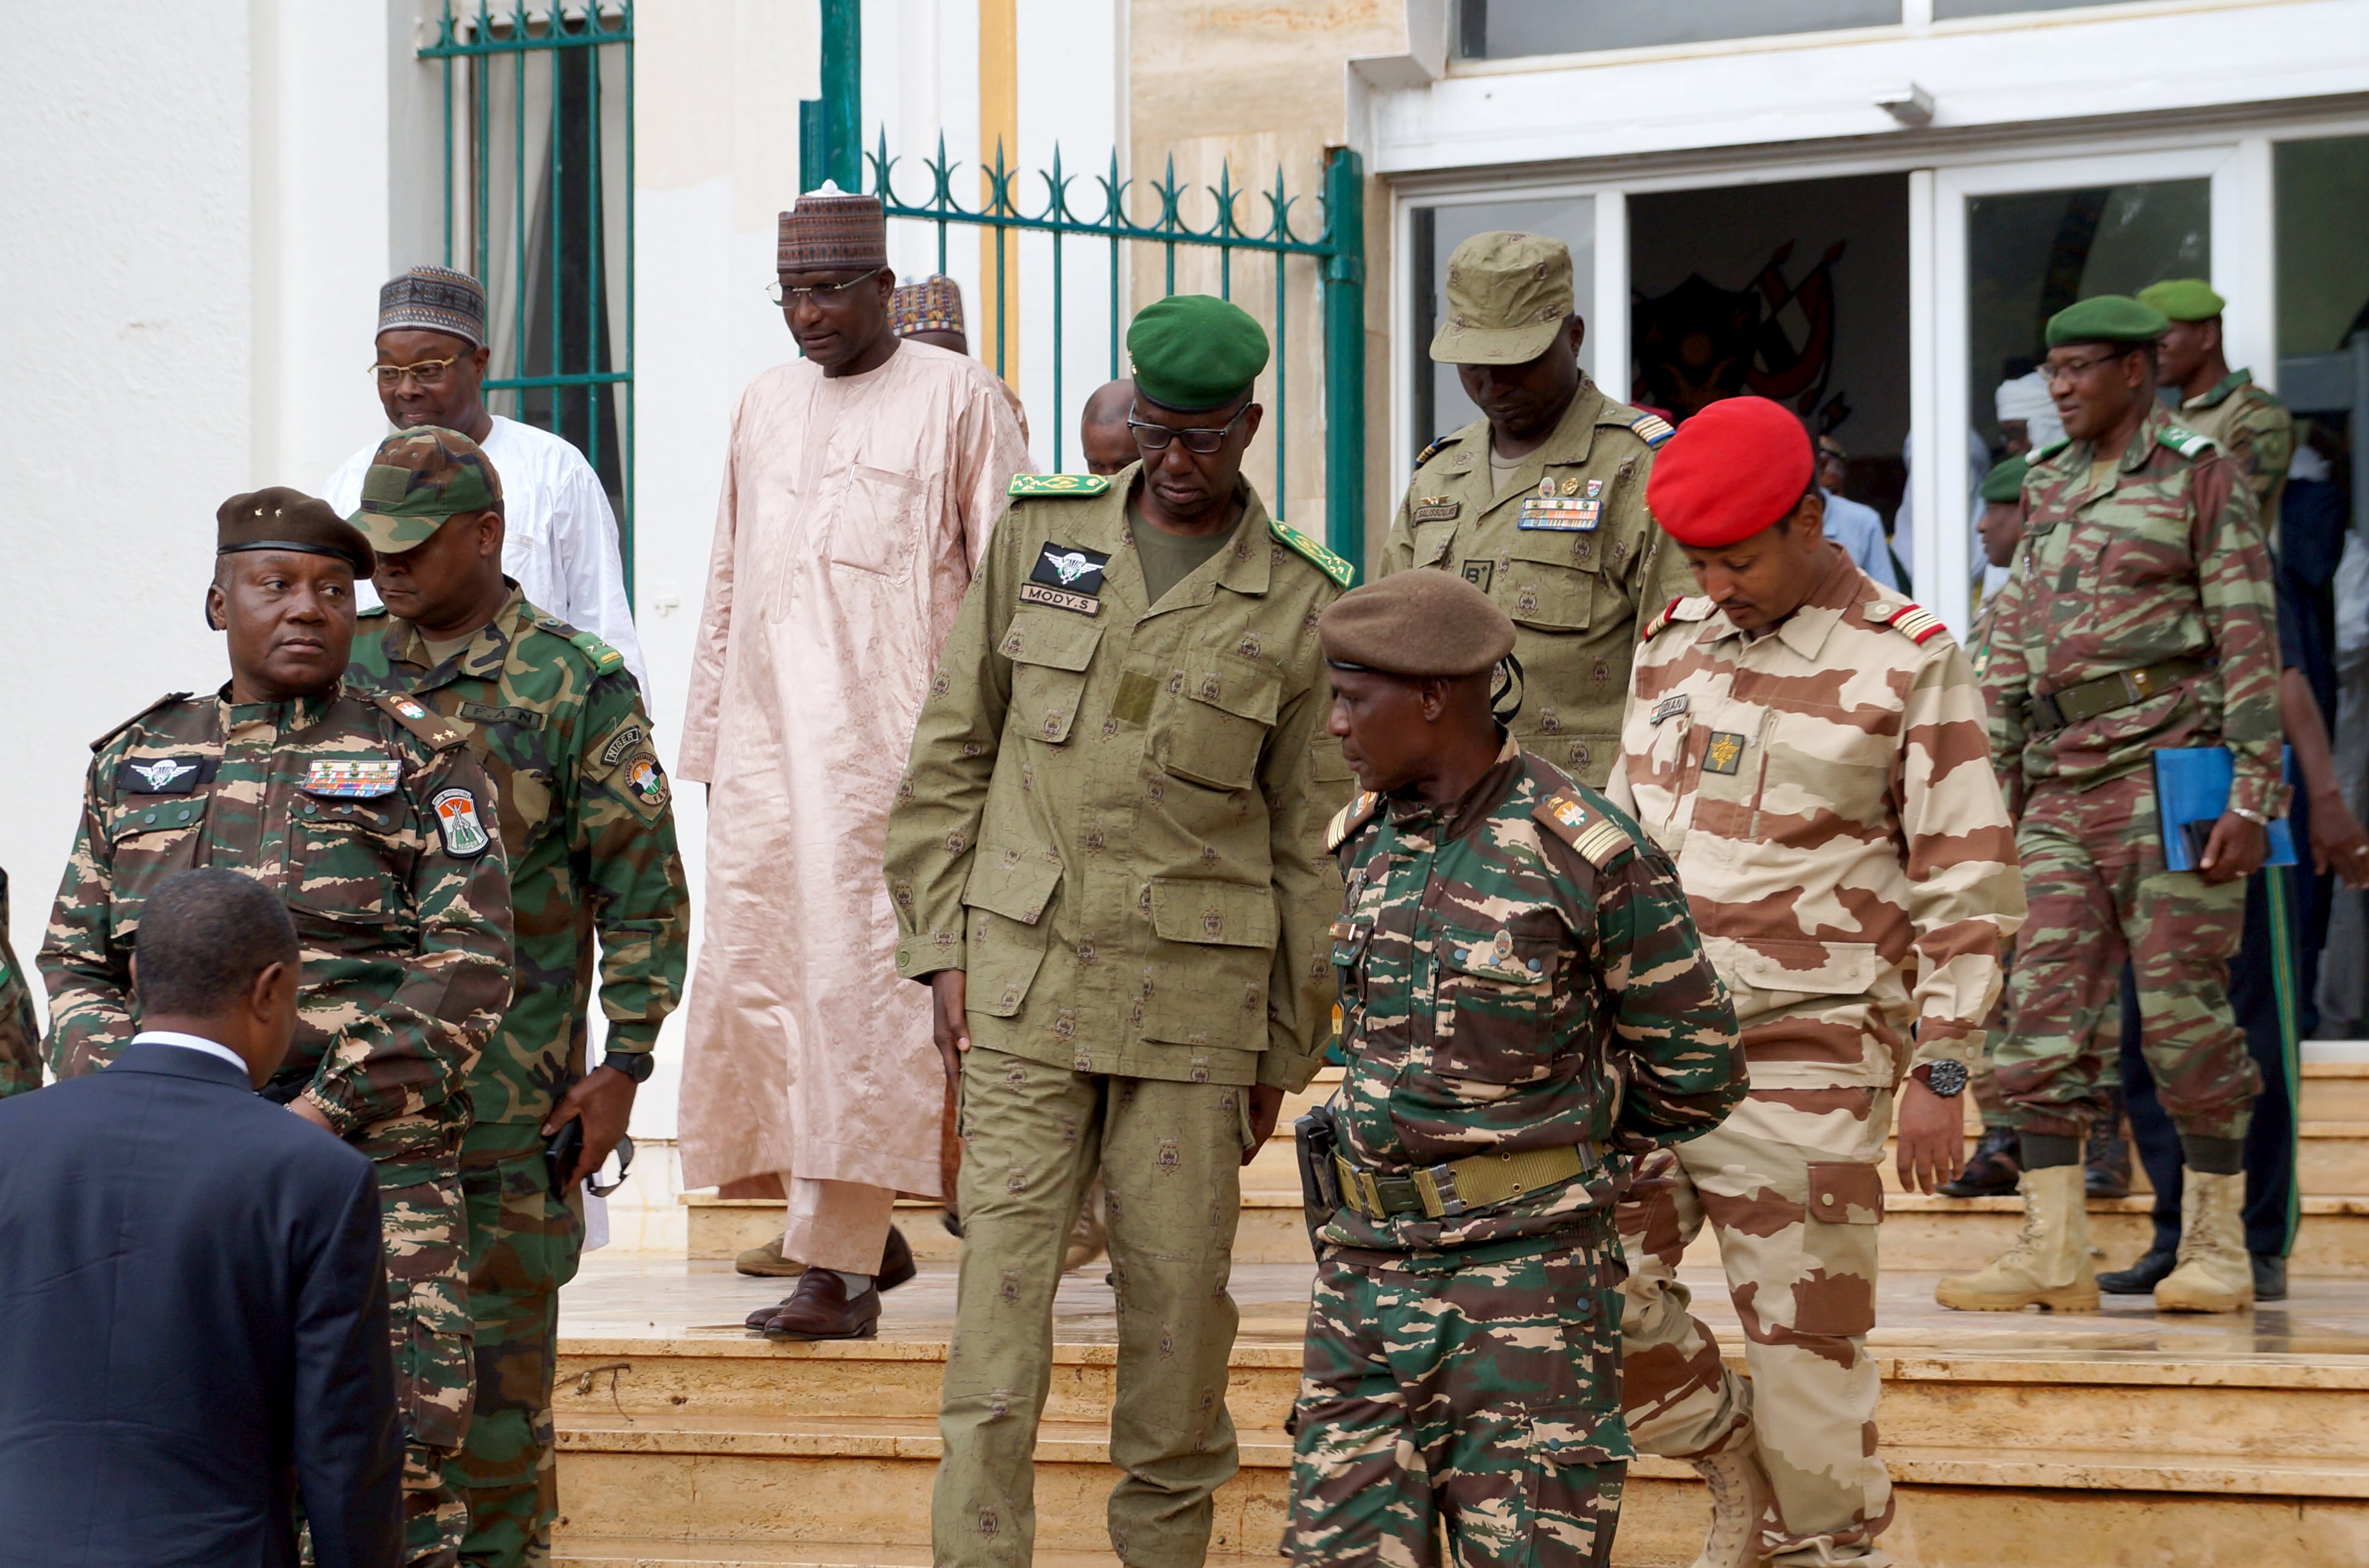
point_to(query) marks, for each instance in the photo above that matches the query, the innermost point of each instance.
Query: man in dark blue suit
(192, 1307)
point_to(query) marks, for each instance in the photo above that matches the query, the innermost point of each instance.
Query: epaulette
(1677, 609)
(415, 716)
(378, 609)
(165, 701)
(1331, 565)
(1655, 625)
(1599, 840)
(1029, 485)
(2051, 449)
(2185, 441)
(608, 659)
(1351, 818)
(1916, 623)
(1653, 429)
(1438, 442)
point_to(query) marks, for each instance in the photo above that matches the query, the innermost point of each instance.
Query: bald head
(1103, 434)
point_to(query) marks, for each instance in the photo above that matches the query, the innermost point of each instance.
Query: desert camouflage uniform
(375, 823)
(2164, 560)
(2253, 430)
(1518, 973)
(1825, 791)
(20, 1031)
(1112, 822)
(1576, 575)
(587, 824)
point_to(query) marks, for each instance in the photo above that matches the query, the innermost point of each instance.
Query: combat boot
(2049, 1265)
(1992, 1169)
(1740, 1497)
(2214, 1273)
(2106, 1159)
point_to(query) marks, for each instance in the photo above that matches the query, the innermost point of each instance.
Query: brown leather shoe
(896, 1268)
(820, 1308)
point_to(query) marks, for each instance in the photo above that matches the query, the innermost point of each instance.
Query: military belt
(2103, 695)
(1460, 1186)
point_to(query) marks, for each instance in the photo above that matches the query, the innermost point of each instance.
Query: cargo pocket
(1049, 652)
(344, 861)
(434, 1360)
(1214, 941)
(1215, 719)
(1577, 1461)
(1835, 1291)
(1494, 1004)
(1005, 904)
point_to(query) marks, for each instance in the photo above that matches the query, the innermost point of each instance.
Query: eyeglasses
(427, 372)
(1155, 438)
(824, 293)
(2071, 369)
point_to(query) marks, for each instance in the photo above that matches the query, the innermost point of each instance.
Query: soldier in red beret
(1809, 749)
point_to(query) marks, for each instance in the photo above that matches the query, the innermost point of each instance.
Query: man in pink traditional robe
(861, 485)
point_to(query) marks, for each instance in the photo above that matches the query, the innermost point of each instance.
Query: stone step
(654, 1552)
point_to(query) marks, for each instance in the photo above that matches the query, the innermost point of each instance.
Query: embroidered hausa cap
(833, 230)
(933, 304)
(419, 478)
(282, 519)
(434, 299)
(2184, 299)
(1508, 295)
(1414, 624)
(2106, 318)
(1731, 471)
(1195, 351)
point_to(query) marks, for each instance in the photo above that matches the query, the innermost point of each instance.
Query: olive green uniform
(1576, 570)
(1113, 823)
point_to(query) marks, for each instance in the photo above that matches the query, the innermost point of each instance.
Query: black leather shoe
(821, 1309)
(2270, 1276)
(2141, 1278)
(1992, 1172)
(2106, 1159)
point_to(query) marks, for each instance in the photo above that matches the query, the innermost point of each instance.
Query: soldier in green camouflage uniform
(2250, 426)
(587, 823)
(1541, 504)
(2139, 616)
(20, 1032)
(1521, 985)
(375, 824)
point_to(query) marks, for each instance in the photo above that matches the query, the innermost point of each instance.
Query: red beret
(1730, 471)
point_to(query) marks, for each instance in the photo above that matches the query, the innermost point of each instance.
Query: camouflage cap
(2106, 318)
(2184, 299)
(282, 519)
(1508, 296)
(419, 478)
(1414, 624)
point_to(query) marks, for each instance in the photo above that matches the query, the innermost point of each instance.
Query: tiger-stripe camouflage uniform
(375, 823)
(2253, 430)
(20, 1031)
(587, 822)
(1825, 789)
(1519, 977)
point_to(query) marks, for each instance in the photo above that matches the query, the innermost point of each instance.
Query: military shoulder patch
(2051, 449)
(1653, 429)
(415, 716)
(167, 700)
(458, 824)
(646, 783)
(370, 610)
(1350, 818)
(1599, 840)
(1024, 486)
(1331, 565)
(1919, 625)
(2186, 442)
(608, 660)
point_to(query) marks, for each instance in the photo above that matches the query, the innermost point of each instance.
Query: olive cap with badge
(2183, 299)
(2106, 318)
(418, 479)
(1508, 296)
(1415, 625)
(1195, 351)
(282, 519)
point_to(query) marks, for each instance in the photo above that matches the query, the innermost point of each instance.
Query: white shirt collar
(191, 1043)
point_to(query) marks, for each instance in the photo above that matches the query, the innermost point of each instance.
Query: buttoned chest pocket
(878, 525)
(1051, 653)
(1433, 543)
(1549, 580)
(2144, 545)
(1822, 769)
(1493, 1003)
(148, 840)
(349, 862)
(1213, 719)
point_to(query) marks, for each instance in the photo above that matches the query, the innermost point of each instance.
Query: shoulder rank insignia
(1331, 565)
(1653, 427)
(1028, 484)
(1654, 626)
(168, 699)
(415, 717)
(2051, 449)
(2185, 441)
(1427, 453)
(1351, 818)
(1687, 607)
(607, 659)
(1919, 625)
(1599, 839)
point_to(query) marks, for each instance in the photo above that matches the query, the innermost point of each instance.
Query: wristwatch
(636, 1065)
(1945, 1078)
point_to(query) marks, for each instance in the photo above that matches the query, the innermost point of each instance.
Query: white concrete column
(1608, 319)
(2245, 258)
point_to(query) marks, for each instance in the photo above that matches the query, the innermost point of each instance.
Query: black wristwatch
(636, 1065)
(1945, 1078)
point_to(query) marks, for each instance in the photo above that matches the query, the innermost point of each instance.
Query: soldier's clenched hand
(949, 1030)
(2235, 850)
(603, 1099)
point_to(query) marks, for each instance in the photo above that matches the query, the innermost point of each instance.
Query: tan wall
(1257, 86)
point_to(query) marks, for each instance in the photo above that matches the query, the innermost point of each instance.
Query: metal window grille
(539, 206)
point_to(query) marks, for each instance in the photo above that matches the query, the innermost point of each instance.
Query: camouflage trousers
(1170, 1154)
(1789, 1184)
(1478, 1398)
(427, 1319)
(2094, 876)
(524, 1241)
(1982, 1082)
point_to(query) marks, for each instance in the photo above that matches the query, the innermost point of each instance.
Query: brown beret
(282, 519)
(1415, 623)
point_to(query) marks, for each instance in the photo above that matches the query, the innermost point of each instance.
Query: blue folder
(2191, 784)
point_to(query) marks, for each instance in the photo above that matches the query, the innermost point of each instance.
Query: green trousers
(1170, 1158)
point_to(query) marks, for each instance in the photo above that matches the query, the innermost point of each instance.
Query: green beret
(2183, 299)
(2106, 318)
(2005, 481)
(282, 519)
(419, 478)
(1508, 296)
(1194, 352)
(1415, 623)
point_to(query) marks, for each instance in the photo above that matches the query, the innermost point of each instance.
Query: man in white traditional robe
(861, 481)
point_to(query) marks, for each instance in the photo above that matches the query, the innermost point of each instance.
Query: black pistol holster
(1316, 1138)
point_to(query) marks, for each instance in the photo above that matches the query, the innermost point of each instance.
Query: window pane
(2323, 239)
(1501, 30)
(1440, 404)
(2031, 254)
